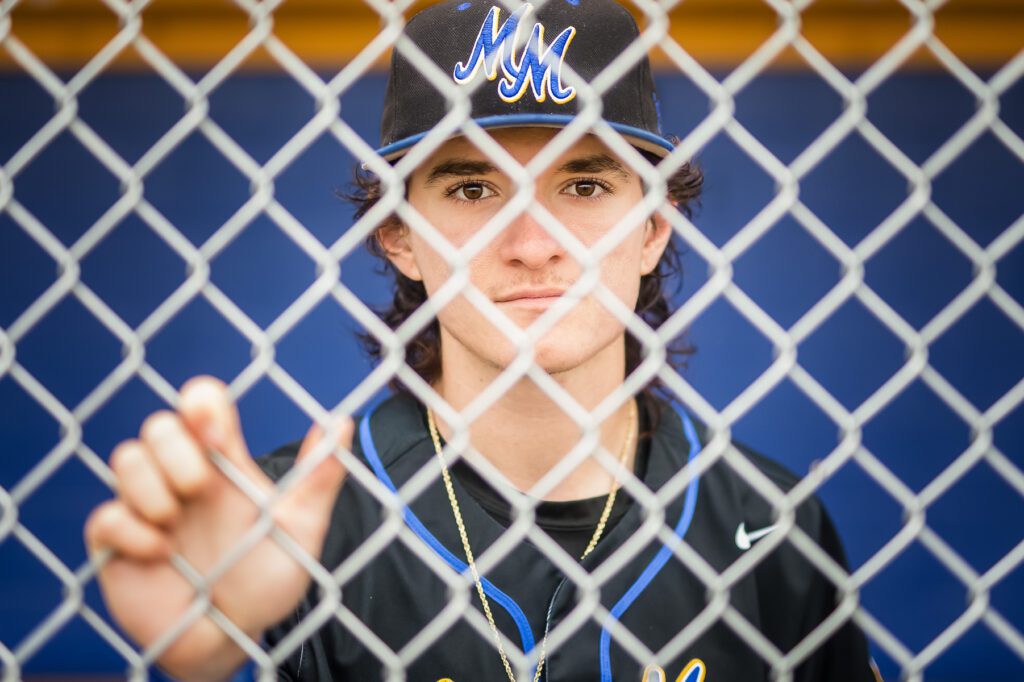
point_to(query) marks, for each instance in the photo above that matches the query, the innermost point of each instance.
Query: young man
(594, 594)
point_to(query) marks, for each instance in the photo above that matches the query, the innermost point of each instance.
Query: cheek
(433, 267)
(434, 270)
(622, 269)
(484, 273)
(452, 234)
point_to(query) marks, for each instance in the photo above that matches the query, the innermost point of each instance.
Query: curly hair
(423, 353)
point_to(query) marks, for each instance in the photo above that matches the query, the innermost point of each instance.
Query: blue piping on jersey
(660, 559)
(499, 597)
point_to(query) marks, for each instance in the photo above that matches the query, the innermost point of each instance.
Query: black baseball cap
(521, 53)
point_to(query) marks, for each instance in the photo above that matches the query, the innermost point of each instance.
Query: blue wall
(786, 272)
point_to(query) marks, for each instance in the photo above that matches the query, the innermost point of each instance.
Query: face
(524, 269)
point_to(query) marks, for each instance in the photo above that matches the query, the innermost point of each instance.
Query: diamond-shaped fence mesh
(801, 268)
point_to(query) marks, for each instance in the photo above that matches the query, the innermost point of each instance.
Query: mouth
(532, 301)
(540, 295)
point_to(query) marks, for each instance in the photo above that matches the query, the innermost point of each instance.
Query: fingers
(206, 408)
(157, 474)
(141, 484)
(114, 526)
(180, 459)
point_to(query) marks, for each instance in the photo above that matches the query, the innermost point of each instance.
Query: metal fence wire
(329, 119)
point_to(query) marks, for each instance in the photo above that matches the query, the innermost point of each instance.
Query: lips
(530, 294)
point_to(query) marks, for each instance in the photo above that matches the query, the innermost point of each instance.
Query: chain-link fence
(984, 610)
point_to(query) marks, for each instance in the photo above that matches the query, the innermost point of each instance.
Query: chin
(556, 353)
(556, 357)
(574, 342)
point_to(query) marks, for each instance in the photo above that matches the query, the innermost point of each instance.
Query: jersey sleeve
(844, 656)
(796, 597)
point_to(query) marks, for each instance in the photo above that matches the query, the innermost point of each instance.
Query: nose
(528, 243)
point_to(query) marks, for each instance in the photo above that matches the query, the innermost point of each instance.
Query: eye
(471, 191)
(586, 189)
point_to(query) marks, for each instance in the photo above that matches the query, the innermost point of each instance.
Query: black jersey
(645, 587)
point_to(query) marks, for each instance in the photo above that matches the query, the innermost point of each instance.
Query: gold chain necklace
(598, 532)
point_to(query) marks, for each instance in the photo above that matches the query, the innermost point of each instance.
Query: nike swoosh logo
(744, 539)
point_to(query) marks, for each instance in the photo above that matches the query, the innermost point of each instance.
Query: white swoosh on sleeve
(745, 539)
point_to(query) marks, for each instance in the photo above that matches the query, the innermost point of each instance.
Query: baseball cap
(521, 53)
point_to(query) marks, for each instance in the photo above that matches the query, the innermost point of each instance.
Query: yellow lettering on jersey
(694, 671)
(653, 673)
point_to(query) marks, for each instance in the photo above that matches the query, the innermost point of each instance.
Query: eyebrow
(459, 168)
(596, 163)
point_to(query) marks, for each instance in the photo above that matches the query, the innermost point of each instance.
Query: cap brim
(639, 138)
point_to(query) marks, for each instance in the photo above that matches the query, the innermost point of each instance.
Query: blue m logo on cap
(537, 68)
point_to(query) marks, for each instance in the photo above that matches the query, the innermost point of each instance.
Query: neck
(525, 432)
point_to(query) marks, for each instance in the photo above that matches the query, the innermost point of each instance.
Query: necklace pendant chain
(627, 445)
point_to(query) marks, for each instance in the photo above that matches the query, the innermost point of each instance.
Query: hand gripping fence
(329, 119)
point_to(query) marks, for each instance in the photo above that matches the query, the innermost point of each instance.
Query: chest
(417, 614)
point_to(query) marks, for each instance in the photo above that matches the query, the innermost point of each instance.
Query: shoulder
(681, 437)
(737, 484)
(277, 463)
(761, 504)
(383, 436)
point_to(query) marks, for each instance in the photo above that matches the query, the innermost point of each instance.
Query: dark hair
(423, 353)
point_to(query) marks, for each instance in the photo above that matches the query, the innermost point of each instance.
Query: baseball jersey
(647, 587)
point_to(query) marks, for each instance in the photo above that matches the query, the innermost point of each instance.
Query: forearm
(215, 658)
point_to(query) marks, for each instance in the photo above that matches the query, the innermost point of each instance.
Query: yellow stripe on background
(327, 34)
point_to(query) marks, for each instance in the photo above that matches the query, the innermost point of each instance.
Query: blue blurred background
(916, 436)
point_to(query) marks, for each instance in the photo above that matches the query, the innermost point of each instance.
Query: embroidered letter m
(537, 68)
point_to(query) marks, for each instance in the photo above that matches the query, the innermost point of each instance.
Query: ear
(394, 241)
(657, 234)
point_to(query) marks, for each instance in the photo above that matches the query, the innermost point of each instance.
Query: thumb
(322, 482)
(304, 510)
